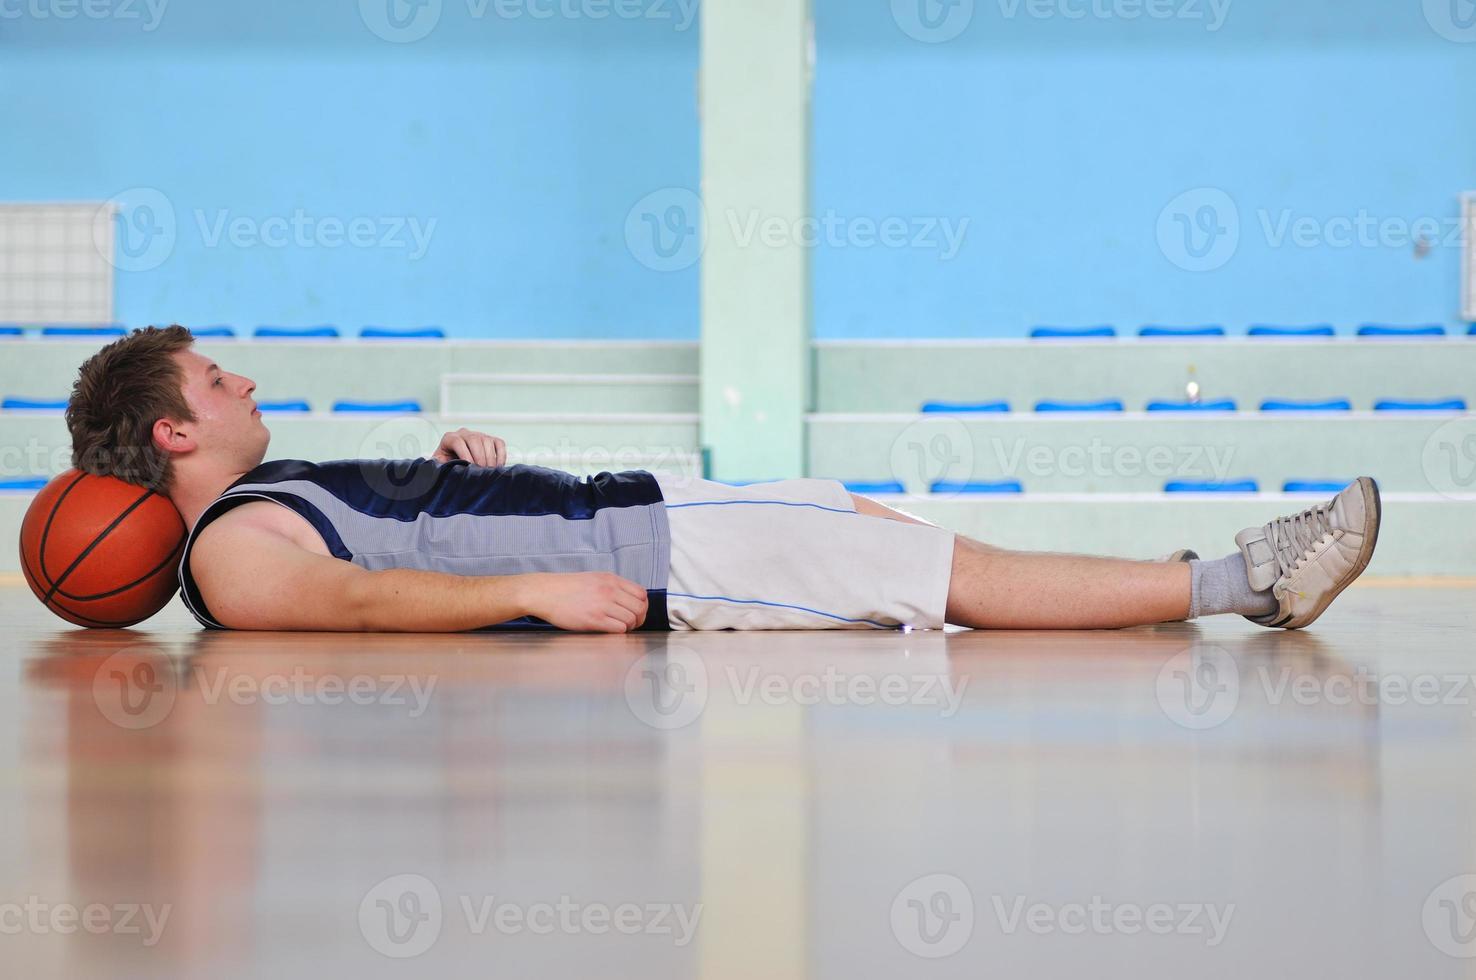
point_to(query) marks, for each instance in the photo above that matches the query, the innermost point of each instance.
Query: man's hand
(586, 602)
(474, 447)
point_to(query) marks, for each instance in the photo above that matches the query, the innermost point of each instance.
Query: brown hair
(120, 393)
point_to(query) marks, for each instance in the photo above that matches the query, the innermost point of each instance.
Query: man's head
(148, 402)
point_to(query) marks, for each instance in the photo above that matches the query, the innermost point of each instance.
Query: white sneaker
(1308, 558)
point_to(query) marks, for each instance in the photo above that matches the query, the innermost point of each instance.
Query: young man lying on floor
(462, 541)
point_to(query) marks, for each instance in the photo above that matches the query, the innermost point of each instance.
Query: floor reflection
(302, 801)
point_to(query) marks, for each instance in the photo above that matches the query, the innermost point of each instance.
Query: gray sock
(1223, 586)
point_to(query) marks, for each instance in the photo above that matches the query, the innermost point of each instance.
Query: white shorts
(795, 555)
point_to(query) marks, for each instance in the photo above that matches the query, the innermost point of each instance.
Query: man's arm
(254, 578)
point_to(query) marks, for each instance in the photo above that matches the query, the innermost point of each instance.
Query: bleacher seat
(1221, 405)
(1110, 405)
(964, 408)
(412, 333)
(863, 487)
(11, 330)
(977, 487)
(198, 332)
(1415, 405)
(1071, 333)
(1273, 330)
(1386, 330)
(111, 330)
(292, 405)
(295, 333)
(1471, 330)
(1158, 331)
(401, 407)
(1198, 486)
(27, 484)
(1288, 405)
(1321, 487)
(33, 404)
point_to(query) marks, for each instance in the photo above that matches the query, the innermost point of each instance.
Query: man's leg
(996, 589)
(999, 589)
(870, 508)
(1284, 575)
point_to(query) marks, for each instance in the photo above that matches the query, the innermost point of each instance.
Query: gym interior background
(1110, 276)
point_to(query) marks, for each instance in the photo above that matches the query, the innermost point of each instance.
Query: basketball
(100, 552)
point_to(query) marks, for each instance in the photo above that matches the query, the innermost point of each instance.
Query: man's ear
(170, 438)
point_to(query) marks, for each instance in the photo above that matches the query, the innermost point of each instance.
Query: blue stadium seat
(1157, 331)
(1071, 333)
(11, 330)
(34, 404)
(1385, 330)
(412, 333)
(295, 333)
(1196, 486)
(404, 407)
(1222, 405)
(27, 484)
(886, 486)
(977, 487)
(1287, 405)
(198, 332)
(1111, 405)
(292, 405)
(1471, 330)
(1408, 405)
(1324, 487)
(112, 330)
(964, 408)
(1272, 330)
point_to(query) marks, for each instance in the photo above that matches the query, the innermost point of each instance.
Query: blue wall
(521, 146)
(1062, 141)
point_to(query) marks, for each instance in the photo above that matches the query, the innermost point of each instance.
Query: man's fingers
(629, 605)
(499, 452)
(630, 588)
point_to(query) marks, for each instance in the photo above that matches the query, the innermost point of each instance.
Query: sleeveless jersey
(464, 519)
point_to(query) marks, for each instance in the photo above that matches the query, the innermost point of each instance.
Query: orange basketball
(101, 552)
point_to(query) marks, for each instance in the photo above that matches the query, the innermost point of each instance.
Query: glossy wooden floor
(1207, 801)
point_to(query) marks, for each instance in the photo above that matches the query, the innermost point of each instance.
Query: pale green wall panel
(755, 271)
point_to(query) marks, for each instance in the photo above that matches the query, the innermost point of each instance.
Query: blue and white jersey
(464, 519)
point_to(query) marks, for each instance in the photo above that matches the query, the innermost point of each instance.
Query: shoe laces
(1296, 537)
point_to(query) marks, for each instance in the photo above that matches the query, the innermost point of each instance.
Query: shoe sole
(1370, 488)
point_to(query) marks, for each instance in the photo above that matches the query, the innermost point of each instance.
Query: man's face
(227, 423)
